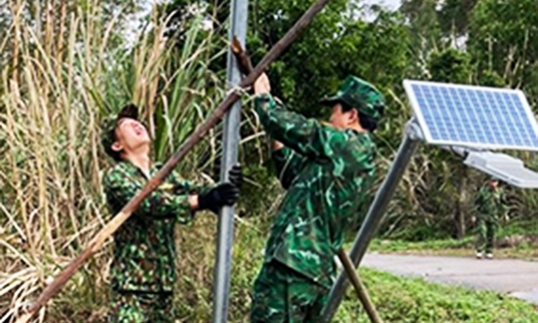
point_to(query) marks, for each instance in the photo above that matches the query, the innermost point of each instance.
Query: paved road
(515, 277)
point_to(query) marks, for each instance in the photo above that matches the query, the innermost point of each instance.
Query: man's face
(343, 120)
(130, 134)
(494, 184)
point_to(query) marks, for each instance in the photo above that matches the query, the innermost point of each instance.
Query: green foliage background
(67, 64)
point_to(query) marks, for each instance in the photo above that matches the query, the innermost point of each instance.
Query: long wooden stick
(97, 242)
(243, 60)
(362, 293)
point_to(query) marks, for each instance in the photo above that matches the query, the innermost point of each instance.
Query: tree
(450, 66)
(454, 16)
(503, 38)
(424, 29)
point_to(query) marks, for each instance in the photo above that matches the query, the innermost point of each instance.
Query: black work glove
(219, 196)
(235, 174)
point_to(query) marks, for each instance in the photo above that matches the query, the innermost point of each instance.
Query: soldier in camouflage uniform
(327, 170)
(143, 271)
(489, 208)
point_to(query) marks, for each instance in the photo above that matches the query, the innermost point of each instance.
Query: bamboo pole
(362, 293)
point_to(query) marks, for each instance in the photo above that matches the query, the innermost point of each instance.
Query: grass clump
(514, 240)
(414, 300)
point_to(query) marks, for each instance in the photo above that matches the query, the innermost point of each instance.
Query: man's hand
(262, 85)
(235, 175)
(221, 195)
(193, 202)
(277, 145)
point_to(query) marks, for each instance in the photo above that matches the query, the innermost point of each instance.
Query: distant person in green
(327, 170)
(143, 271)
(489, 209)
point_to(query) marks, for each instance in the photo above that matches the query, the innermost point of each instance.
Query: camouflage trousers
(282, 295)
(141, 307)
(485, 234)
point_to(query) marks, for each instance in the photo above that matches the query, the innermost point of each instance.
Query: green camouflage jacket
(144, 251)
(489, 203)
(327, 173)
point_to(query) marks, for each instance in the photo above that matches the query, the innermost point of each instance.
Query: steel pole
(375, 214)
(221, 287)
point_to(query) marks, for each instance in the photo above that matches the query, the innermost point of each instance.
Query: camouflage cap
(494, 179)
(359, 94)
(108, 128)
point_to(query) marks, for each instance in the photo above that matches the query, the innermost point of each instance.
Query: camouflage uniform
(143, 269)
(131, 306)
(490, 208)
(327, 173)
(144, 250)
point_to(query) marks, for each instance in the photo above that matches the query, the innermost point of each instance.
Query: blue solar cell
(466, 115)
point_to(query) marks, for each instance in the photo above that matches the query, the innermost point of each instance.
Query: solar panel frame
(522, 100)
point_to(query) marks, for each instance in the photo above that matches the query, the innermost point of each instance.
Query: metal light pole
(238, 28)
(375, 214)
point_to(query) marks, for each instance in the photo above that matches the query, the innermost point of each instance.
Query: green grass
(450, 247)
(398, 299)
(516, 240)
(414, 300)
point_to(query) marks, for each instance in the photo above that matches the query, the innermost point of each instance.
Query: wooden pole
(243, 60)
(97, 242)
(362, 293)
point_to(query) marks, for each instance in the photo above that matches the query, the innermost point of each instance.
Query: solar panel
(473, 116)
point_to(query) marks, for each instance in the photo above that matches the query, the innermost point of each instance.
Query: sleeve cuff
(264, 98)
(279, 154)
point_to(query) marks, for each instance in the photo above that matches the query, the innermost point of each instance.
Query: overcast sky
(393, 4)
